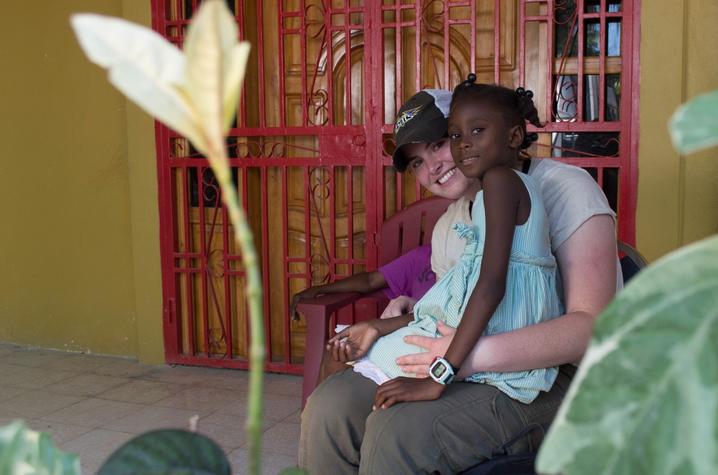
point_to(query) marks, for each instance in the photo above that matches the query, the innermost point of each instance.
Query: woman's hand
(406, 389)
(353, 342)
(418, 363)
(398, 306)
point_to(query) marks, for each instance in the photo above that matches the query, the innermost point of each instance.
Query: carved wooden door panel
(310, 149)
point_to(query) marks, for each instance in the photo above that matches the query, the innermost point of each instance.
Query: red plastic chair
(406, 230)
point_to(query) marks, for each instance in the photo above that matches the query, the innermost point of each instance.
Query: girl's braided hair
(517, 106)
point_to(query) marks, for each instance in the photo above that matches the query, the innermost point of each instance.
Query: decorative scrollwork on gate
(433, 17)
(211, 193)
(318, 113)
(315, 28)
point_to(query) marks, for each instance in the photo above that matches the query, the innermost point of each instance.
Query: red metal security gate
(310, 150)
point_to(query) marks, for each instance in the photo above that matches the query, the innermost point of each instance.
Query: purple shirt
(409, 274)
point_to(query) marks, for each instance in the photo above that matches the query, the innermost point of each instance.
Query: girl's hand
(353, 342)
(418, 363)
(406, 389)
(398, 306)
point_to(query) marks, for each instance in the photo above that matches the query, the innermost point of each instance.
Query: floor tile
(151, 418)
(295, 418)
(131, 398)
(85, 385)
(276, 407)
(234, 424)
(35, 378)
(79, 362)
(7, 369)
(93, 412)
(284, 385)
(141, 392)
(176, 374)
(8, 415)
(59, 431)
(229, 438)
(200, 400)
(232, 379)
(95, 447)
(38, 403)
(9, 393)
(282, 438)
(224, 419)
(272, 462)
(32, 358)
(123, 368)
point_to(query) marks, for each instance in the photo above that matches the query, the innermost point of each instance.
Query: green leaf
(165, 452)
(694, 125)
(24, 451)
(645, 399)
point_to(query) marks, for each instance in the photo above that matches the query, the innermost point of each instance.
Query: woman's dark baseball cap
(422, 119)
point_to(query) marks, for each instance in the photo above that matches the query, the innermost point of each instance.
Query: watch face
(438, 370)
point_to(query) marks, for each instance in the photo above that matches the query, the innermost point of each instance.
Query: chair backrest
(631, 260)
(409, 228)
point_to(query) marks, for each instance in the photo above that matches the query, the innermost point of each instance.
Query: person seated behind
(404, 281)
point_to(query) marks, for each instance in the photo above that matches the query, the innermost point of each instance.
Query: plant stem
(243, 237)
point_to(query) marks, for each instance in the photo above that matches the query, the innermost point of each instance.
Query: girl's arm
(503, 193)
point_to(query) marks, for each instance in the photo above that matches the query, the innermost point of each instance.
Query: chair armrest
(317, 312)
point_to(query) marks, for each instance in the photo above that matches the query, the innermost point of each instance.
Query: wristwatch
(442, 371)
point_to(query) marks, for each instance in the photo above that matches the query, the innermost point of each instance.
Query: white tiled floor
(91, 405)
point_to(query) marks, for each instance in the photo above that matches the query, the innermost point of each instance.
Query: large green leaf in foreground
(167, 452)
(645, 399)
(694, 125)
(25, 451)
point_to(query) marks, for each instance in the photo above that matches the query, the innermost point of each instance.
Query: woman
(341, 430)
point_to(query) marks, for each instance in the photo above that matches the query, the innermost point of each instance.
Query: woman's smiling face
(436, 171)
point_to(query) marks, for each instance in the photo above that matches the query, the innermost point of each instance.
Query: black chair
(523, 464)
(631, 261)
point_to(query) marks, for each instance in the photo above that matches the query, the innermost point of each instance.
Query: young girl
(506, 278)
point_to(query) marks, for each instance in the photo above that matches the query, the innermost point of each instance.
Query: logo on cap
(405, 117)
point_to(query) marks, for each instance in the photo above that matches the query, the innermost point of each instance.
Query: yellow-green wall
(144, 213)
(79, 247)
(79, 265)
(677, 196)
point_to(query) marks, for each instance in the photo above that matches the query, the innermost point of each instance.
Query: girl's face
(480, 138)
(436, 171)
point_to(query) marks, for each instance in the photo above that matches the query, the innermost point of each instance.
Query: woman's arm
(587, 262)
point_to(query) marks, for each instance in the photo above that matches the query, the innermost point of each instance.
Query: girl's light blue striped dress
(531, 297)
